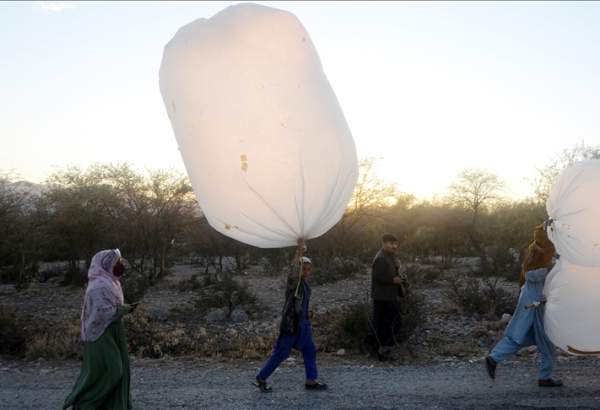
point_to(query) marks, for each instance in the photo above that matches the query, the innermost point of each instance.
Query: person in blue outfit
(526, 327)
(295, 330)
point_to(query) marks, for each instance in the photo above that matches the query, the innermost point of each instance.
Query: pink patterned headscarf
(102, 296)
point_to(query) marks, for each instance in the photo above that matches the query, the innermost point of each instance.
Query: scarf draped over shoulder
(102, 297)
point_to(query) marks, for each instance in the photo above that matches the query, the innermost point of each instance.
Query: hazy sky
(431, 88)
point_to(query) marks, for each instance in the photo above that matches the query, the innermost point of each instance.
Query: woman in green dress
(103, 382)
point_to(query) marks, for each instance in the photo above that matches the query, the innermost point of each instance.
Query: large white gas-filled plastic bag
(571, 318)
(574, 207)
(263, 138)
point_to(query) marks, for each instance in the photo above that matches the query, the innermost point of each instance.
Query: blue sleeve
(536, 276)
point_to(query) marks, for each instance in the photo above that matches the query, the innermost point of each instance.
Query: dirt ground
(354, 384)
(443, 368)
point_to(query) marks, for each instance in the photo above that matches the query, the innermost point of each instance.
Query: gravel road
(354, 384)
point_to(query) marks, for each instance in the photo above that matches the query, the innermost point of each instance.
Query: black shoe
(490, 365)
(550, 383)
(262, 386)
(315, 386)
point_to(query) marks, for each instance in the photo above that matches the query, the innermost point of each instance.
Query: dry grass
(56, 342)
(12, 337)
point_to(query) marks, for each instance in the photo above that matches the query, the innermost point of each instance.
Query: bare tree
(477, 191)
(79, 207)
(372, 196)
(153, 212)
(172, 205)
(371, 191)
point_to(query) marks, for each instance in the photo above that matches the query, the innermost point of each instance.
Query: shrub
(501, 300)
(419, 275)
(135, 285)
(466, 294)
(475, 297)
(150, 338)
(51, 272)
(12, 338)
(75, 275)
(330, 270)
(351, 326)
(412, 315)
(348, 326)
(275, 261)
(59, 341)
(195, 282)
(225, 293)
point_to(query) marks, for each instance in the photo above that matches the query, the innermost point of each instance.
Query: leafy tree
(18, 231)
(79, 207)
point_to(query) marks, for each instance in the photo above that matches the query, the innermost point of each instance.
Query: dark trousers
(387, 323)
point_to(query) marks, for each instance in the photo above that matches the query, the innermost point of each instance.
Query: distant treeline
(153, 217)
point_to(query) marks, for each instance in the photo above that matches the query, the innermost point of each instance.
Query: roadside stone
(239, 315)
(216, 315)
(505, 318)
(341, 352)
(253, 355)
(290, 361)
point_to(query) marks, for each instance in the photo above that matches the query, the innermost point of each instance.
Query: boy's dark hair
(388, 237)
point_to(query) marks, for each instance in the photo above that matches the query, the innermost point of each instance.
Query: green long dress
(104, 379)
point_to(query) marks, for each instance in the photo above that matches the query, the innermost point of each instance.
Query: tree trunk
(22, 268)
(480, 252)
(72, 267)
(163, 260)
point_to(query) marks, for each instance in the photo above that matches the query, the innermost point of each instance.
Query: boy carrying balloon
(295, 329)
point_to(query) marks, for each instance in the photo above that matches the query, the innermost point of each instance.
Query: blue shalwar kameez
(526, 327)
(302, 341)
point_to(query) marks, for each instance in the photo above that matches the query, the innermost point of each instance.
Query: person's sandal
(490, 365)
(262, 386)
(315, 386)
(550, 383)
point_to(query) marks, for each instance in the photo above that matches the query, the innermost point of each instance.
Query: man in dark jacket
(386, 292)
(295, 329)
